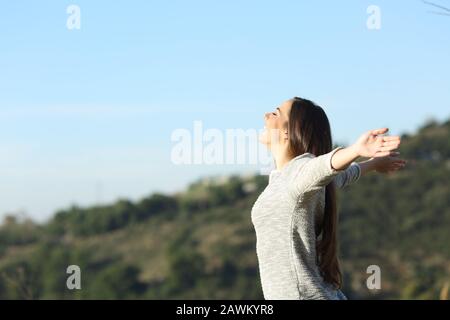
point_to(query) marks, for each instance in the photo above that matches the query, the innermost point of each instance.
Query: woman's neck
(281, 159)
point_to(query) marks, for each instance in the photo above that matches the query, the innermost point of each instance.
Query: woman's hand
(385, 165)
(388, 164)
(372, 144)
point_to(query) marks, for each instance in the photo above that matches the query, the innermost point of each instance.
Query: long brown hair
(309, 131)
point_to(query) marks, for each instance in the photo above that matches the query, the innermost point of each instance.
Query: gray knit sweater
(285, 217)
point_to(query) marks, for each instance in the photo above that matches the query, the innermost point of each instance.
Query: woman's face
(276, 124)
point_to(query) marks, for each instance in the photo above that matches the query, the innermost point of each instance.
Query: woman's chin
(263, 139)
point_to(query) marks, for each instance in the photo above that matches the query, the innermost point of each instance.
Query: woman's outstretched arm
(348, 176)
(370, 144)
(386, 164)
(319, 171)
(356, 170)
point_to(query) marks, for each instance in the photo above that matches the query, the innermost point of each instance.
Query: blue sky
(86, 115)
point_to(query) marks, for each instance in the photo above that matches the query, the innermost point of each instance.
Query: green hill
(200, 244)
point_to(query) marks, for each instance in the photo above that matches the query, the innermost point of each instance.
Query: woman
(295, 217)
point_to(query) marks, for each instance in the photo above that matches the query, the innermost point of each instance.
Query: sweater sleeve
(316, 173)
(349, 176)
